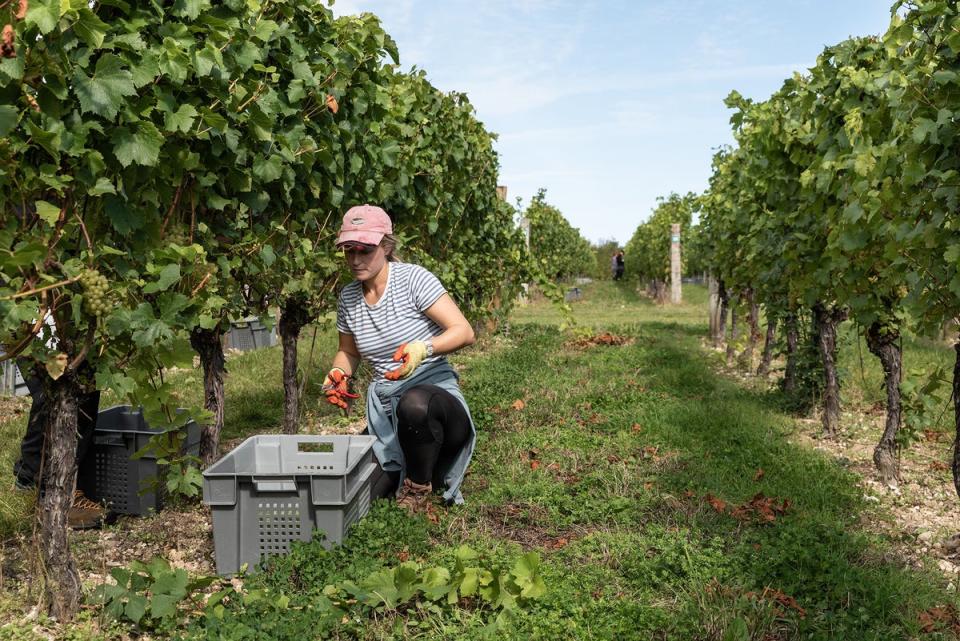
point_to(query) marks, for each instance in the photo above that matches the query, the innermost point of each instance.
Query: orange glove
(412, 354)
(336, 387)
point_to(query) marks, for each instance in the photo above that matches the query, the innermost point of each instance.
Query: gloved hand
(336, 387)
(412, 354)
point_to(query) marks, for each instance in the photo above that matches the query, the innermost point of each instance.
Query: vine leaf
(90, 28)
(168, 276)
(43, 14)
(103, 93)
(180, 120)
(48, 212)
(332, 104)
(56, 365)
(141, 147)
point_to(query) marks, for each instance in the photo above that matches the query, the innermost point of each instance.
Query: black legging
(432, 426)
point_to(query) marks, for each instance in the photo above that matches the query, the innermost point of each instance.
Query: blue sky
(610, 104)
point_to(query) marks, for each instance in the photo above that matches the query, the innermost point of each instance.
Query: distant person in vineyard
(618, 265)
(400, 320)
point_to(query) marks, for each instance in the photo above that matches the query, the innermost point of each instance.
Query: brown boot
(414, 497)
(84, 514)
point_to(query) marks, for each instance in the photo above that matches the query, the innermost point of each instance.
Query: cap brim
(364, 237)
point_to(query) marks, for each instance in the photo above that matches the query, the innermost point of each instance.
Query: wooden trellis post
(675, 289)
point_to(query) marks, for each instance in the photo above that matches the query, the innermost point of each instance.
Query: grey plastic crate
(239, 336)
(262, 335)
(11, 381)
(110, 474)
(275, 489)
(249, 334)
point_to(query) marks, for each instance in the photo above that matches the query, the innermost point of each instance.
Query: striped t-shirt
(397, 317)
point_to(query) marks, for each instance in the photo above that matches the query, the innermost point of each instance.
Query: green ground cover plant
(662, 499)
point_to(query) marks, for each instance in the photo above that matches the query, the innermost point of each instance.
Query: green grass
(614, 470)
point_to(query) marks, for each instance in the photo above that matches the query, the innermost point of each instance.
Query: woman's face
(365, 261)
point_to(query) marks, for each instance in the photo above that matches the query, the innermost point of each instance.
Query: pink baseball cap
(365, 224)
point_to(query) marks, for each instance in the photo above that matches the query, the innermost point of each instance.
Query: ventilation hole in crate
(242, 339)
(359, 507)
(111, 479)
(278, 523)
(306, 468)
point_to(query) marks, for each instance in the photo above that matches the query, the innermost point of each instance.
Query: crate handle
(275, 484)
(109, 439)
(305, 446)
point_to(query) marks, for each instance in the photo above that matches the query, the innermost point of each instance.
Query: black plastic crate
(112, 476)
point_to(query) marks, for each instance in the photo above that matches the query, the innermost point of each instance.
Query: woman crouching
(400, 320)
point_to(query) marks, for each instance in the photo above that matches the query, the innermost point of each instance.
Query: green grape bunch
(95, 288)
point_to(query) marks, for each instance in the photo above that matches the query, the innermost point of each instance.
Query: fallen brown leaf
(518, 404)
(785, 600)
(717, 504)
(761, 508)
(605, 338)
(939, 618)
(759, 475)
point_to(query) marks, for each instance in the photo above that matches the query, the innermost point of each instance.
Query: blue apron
(382, 423)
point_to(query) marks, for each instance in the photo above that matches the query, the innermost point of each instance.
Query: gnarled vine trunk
(753, 327)
(714, 311)
(792, 337)
(825, 332)
(657, 290)
(293, 317)
(883, 342)
(764, 368)
(61, 579)
(724, 308)
(206, 342)
(492, 323)
(734, 332)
